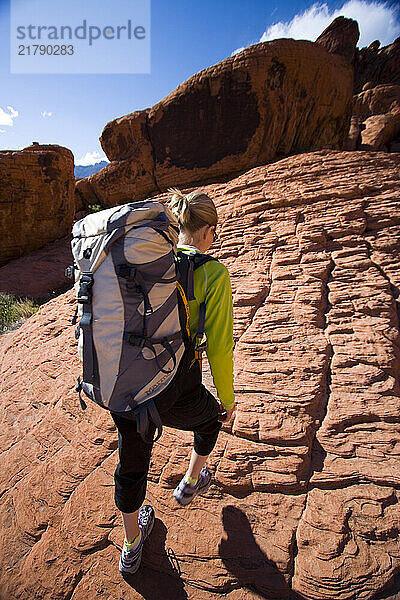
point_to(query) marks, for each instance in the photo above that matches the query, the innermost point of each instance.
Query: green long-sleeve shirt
(212, 284)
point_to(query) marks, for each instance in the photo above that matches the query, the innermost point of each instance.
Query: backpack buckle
(135, 340)
(70, 272)
(125, 271)
(84, 295)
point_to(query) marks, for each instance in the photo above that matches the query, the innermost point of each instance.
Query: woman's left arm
(219, 331)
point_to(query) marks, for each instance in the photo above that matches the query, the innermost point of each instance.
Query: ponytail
(192, 211)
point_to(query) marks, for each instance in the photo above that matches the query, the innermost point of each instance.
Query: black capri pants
(185, 404)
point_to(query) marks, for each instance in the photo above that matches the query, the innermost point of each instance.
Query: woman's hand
(224, 414)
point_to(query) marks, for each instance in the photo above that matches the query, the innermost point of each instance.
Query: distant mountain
(81, 171)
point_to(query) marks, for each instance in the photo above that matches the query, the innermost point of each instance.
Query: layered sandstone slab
(36, 198)
(304, 503)
(270, 100)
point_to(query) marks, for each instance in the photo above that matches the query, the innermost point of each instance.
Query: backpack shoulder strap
(186, 265)
(199, 259)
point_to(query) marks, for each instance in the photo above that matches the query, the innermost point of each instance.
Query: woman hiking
(186, 403)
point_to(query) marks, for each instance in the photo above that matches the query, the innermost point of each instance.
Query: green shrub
(13, 310)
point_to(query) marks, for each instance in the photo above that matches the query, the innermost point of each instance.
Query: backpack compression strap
(144, 413)
(84, 298)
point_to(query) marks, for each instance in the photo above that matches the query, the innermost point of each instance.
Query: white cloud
(44, 113)
(90, 158)
(3, 131)
(376, 20)
(6, 118)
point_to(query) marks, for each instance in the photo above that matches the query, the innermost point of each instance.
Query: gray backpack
(131, 338)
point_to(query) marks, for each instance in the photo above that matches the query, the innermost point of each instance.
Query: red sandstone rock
(341, 37)
(375, 123)
(354, 133)
(305, 490)
(37, 198)
(376, 101)
(380, 131)
(40, 273)
(377, 66)
(268, 101)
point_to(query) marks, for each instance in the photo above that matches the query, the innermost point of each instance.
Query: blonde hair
(193, 210)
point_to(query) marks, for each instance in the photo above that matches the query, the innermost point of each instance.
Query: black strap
(78, 388)
(84, 295)
(184, 268)
(186, 265)
(144, 413)
(130, 272)
(148, 309)
(202, 322)
(201, 259)
(167, 346)
(155, 417)
(75, 317)
(142, 421)
(135, 339)
(85, 323)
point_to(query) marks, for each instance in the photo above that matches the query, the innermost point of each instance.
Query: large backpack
(132, 291)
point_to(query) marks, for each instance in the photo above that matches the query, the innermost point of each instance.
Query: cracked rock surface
(304, 501)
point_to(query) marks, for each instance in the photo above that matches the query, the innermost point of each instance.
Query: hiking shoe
(130, 559)
(185, 491)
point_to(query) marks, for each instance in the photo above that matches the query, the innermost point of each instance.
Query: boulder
(341, 37)
(380, 131)
(378, 100)
(268, 101)
(375, 123)
(37, 198)
(304, 502)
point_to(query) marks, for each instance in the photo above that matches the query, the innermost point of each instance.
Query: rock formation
(37, 198)
(341, 37)
(377, 66)
(305, 500)
(375, 124)
(270, 100)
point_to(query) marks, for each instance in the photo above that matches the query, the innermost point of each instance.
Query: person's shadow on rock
(157, 577)
(245, 560)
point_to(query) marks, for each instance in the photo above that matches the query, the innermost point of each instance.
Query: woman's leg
(131, 474)
(131, 525)
(197, 462)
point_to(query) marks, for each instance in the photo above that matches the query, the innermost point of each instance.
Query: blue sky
(186, 36)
